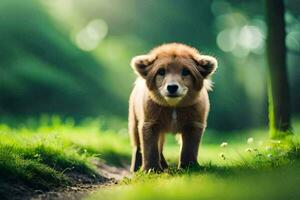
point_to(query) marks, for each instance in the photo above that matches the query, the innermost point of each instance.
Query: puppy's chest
(172, 119)
(174, 125)
(176, 119)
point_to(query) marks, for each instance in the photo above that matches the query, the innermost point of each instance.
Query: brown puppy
(170, 95)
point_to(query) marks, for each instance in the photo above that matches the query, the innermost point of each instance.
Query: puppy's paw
(152, 169)
(189, 166)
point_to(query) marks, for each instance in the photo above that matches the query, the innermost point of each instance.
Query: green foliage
(39, 64)
(45, 66)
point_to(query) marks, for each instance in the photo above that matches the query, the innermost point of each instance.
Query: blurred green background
(71, 57)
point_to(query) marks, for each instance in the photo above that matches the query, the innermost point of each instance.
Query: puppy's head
(174, 73)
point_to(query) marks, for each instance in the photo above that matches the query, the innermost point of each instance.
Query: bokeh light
(91, 35)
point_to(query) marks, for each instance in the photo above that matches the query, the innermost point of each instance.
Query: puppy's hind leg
(136, 158)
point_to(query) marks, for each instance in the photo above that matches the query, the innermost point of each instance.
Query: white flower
(268, 148)
(250, 140)
(224, 144)
(222, 155)
(270, 156)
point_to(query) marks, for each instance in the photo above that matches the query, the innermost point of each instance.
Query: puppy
(170, 95)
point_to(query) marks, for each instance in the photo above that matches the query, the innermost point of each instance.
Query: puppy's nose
(172, 88)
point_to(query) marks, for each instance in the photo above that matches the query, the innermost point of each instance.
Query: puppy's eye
(185, 72)
(161, 72)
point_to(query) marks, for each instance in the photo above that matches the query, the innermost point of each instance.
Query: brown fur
(152, 112)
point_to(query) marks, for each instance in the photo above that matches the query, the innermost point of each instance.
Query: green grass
(278, 184)
(261, 169)
(41, 157)
(41, 154)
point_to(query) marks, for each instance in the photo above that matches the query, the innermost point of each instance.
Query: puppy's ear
(206, 65)
(142, 64)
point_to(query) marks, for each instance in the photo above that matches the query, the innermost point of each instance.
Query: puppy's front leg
(191, 136)
(150, 151)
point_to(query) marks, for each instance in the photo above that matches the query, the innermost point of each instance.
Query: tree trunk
(278, 87)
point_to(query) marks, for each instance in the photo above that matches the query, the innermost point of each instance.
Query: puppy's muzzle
(172, 90)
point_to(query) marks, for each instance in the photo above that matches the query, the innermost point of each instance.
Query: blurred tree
(45, 69)
(279, 99)
(41, 71)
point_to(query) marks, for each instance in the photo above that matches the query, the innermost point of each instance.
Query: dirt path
(109, 175)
